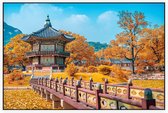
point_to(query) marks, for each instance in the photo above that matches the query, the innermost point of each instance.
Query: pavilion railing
(36, 53)
(105, 96)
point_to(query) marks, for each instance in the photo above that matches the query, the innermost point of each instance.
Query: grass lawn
(97, 77)
(149, 83)
(25, 99)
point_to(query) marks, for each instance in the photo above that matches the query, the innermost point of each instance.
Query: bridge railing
(102, 96)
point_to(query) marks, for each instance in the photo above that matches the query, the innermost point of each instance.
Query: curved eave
(27, 38)
(68, 38)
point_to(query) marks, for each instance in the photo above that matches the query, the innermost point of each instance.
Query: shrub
(82, 69)
(15, 75)
(71, 69)
(121, 75)
(20, 83)
(92, 69)
(103, 69)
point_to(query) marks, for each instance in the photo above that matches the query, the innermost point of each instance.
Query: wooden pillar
(54, 47)
(97, 91)
(56, 82)
(38, 81)
(47, 95)
(55, 60)
(78, 85)
(60, 80)
(39, 46)
(56, 102)
(63, 86)
(105, 86)
(148, 100)
(90, 84)
(66, 105)
(39, 59)
(46, 82)
(72, 80)
(128, 88)
(42, 93)
(51, 83)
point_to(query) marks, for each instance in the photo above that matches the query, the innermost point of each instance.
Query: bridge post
(56, 81)
(60, 80)
(42, 81)
(105, 86)
(78, 85)
(56, 102)
(33, 87)
(128, 88)
(42, 93)
(66, 105)
(39, 91)
(90, 83)
(51, 83)
(46, 82)
(97, 91)
(148, 100)
(63, 86)
(38, 81)
(72, 79)
(47, 95)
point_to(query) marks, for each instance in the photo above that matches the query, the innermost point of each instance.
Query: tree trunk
(133, 59)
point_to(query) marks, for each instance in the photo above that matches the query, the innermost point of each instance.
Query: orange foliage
(15, 75)
(15, 50)
(71, 69)
(103, 69)
(92, 69)
(79, 49)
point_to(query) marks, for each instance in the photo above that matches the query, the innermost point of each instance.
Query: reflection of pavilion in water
(48, 48)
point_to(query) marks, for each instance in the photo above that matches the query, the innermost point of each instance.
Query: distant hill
(9, 32)
(98, 46)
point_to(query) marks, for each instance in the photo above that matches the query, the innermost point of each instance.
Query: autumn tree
(153, 51)
(79, 49)
(14, 52)
(132, 24)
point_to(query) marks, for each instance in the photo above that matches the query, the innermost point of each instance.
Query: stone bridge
(79, 94)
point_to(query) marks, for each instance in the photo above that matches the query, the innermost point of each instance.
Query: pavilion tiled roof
(47, 32)
(119, 61)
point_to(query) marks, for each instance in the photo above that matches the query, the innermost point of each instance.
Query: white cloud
(108, 17)
(31, 16)
(108, 22)
(76, 21)
(78, 18)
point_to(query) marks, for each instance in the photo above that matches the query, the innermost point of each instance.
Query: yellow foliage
(15, 51)
(97, 77)
(82, 69)
(71, 69)
(25, 99)
(103, 69)
(149, 83)
(79, 49)
(92, 69)
(23, 82)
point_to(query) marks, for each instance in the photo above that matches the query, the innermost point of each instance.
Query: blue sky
(96, 22)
